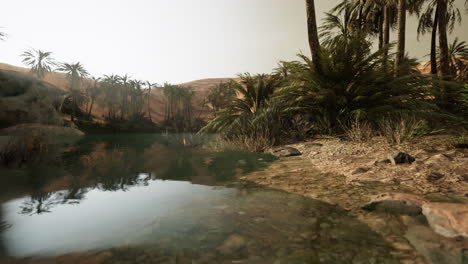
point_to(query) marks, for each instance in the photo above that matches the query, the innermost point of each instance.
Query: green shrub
(255, 121)
(460, 141)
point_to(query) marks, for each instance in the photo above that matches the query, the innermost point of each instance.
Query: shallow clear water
(161, 199)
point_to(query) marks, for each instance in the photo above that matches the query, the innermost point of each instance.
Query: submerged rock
(285, 152)
(447, 219)
(232, 244)
(52, 131)
(396, 203)
(398, 157)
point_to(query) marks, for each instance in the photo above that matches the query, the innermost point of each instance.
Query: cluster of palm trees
(379, 16)
(346, 78)
(178, 102)
(123, 97)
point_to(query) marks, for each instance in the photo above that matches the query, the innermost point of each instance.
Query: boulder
(403, 203)
(447, 219)
(285, 152)
(398, 157)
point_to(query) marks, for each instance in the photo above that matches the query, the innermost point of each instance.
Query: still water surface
(163, 199)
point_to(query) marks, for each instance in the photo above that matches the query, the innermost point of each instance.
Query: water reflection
(161, 195)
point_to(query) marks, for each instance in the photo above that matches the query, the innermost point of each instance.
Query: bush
(255, 121)
(30, 148)
(400, 128)
(460, 141)
(358, 131)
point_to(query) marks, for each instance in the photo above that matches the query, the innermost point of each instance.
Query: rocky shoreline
(422, 205)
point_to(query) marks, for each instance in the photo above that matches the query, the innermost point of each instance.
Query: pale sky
(170, 40)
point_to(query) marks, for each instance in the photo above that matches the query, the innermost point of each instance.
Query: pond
(163, 199)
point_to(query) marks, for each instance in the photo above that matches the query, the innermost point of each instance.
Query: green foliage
(353, 85)
(24, 99)
(458, 54)
(460, 141)
(254, 119)
(221, 95)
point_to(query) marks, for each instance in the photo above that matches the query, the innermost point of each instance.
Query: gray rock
(398, 157)
(397, 203)
(285, 152)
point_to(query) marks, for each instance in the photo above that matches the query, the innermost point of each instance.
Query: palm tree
(125, 86)
(254, 93)
(253, 115)
(404, 7)
(458, 56)
(313, 35)
(2, 35)
(94, 91)
(429, 21)
(136, 98)
(111, 98)
(75, 73)
(220, 95)
(400, 54)
(148, 97)
(41, 62)
(352, 85)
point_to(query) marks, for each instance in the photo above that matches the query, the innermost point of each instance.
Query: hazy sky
(169, 40)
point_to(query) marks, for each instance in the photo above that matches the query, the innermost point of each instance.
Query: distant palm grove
(356, 78)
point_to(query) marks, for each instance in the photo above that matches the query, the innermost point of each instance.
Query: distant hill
(157, 104)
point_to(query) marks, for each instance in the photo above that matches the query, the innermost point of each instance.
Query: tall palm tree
(313, 35)
(41, 62)
(400, 53)
(136, 98)
(148, 97)
(125, 86)
(75, 73)
(404, 7)
(94, 91)
(110, 85)
(429, 21)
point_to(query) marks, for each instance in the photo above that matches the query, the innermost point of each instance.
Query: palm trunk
(73, 109)
(443, 43)
(434, 43)
(400, 56)
(91, 107)
(381, 33)
(313, 35)
(149, 108)
(386, 33)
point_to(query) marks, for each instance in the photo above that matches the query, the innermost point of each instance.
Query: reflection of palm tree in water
(38, 204)
(3, 226)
